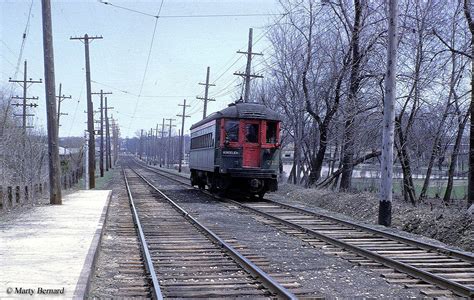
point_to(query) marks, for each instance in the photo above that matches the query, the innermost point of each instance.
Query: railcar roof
(241, 110)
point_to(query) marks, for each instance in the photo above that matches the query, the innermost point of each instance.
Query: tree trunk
(434, 153)
(454, 159)
(470, 194)
(291, 176)
(408, 187)
(339, 171)
(349, 132)
(348, 156)
(317, 161)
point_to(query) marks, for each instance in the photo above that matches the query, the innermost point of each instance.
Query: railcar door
(251, 144)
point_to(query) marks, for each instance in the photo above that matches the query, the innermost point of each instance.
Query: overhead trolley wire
(142, 96)
(146, 67)
(25, 35)
(188, 16)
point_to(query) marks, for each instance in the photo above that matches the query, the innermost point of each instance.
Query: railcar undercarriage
(224, 183)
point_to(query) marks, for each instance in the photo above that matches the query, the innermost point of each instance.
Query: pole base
(385, 213)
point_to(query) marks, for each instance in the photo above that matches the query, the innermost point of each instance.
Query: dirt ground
(452, 225)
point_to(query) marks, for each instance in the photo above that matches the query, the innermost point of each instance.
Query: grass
(436, 189)
(101, 182)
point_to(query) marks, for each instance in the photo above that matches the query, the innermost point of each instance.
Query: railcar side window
(231, 131)
(203, 141)
(271, 132)
(251, 133)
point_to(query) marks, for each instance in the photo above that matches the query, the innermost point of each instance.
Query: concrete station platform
(52, 247)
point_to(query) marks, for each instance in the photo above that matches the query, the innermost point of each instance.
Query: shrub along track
(437, 271)
(188, 260)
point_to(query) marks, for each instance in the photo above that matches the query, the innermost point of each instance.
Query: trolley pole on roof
(247, 75)
(206, 93)
(168, 150)
(183, 117)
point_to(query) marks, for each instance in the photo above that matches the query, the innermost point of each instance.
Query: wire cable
(75, 110)
(23, 42)
(146, 67)
(188, 16)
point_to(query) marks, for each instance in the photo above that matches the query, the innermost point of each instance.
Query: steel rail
(144, 245)
(253, 269)
(425, 246)
(399, 266)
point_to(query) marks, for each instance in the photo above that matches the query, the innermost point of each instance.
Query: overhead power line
(146, 66)
(190, 16)
(141, 96)
(25, 35)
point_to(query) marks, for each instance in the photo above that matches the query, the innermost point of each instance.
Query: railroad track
(436, 271)
(185, 259)
(125, 265)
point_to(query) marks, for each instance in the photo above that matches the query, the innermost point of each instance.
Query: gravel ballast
(451, 225)
(325, 275)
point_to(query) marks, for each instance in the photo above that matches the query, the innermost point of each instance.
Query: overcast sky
(183, 48)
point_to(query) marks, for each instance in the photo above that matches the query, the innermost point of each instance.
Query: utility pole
(86, 160)
(115, 135)
(90, 108)
(108, 160)
(108, 143)
(25, 83)
(145, 140)
(50, 90)
(183, 117)
(155, 154)
(101, 159)
(206, 93)
(162, 148)
(247, 76)
(168, 152)
(386, 182)
(61, 99)
(150, 146)
(140, 146)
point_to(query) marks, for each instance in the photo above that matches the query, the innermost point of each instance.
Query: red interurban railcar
(237, 147)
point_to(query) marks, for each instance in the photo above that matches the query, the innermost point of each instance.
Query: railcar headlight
(255, 183)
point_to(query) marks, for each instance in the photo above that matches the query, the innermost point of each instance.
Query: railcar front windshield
(231, 131)
(271, 135)
(251, 133)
